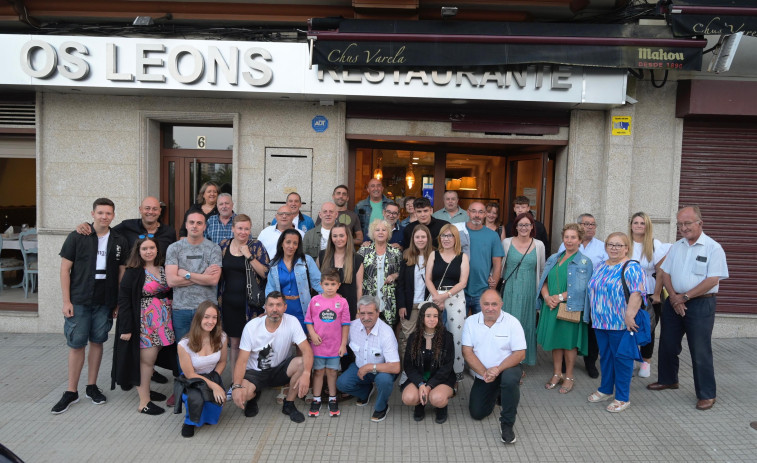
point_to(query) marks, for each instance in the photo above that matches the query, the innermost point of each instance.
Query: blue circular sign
(320, 123)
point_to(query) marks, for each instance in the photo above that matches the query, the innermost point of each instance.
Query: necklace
(428, 335)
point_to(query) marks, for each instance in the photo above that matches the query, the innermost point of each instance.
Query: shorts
(89, 323)
(332, 363)
(273, 377)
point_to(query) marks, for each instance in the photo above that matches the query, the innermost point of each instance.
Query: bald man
(486, 255)
(270, 235)
(317, 238)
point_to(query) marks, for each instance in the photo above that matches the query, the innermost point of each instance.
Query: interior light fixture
(468, 183)
(378, 173)
(410, 177)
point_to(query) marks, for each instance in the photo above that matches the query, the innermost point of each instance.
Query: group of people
(376, 298)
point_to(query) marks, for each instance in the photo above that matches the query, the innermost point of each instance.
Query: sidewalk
(659, 426)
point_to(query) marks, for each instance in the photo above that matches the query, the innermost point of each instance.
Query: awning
(458, 44)
(712, 17)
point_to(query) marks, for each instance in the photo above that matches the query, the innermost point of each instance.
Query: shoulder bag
(255, 294)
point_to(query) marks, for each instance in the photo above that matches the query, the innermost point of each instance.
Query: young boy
(328, 324)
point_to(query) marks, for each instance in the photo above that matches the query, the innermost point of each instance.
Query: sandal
(617, 406)
(564, 389)
(597, 396)
(550, 385)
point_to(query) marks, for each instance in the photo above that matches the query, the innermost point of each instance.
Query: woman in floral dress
(382, 268)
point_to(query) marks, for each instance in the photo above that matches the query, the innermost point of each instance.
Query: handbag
(562, 309)
(255, 294)
(503, 281)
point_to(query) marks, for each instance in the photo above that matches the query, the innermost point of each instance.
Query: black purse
(503, 281)
(255, 294)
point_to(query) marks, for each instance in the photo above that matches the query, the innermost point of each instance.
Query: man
(493, 346)
(300, 221)
(392, 215)
(377, 361)
(521, 204)
(90, 269)
(219, 226)
(193, 267)
(341, 196)
(316, 239)
(486, 254)
(270, 235)
(265, 360)
(372, 207)
(423, 212)
(594, 249)
(451, 212)
(691, 273)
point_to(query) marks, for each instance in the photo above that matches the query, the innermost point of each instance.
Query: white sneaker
(644, 370)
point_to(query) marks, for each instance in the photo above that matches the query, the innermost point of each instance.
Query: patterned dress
(156, 327)
(392, 259)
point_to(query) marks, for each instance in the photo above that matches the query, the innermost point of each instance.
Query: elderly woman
(382, 268)
(651, 254)
(523, 264)
(294, 274)
(237, 253)
(446, 276)
(612, 315)
(492, 219)
(563, 291)
(409, 210)
(428, 365)
(206, 204)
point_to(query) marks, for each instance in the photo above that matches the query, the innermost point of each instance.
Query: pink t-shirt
(328, 316)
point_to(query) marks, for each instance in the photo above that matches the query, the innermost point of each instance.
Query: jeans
(483, 396)
(472, 304)
(89, 322)
(350, 383)
(182, 321)
(616, 371)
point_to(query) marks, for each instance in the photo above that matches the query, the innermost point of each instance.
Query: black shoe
(66, 401)
(334, 408)
(157, 396)
(96, 394)
(379, 415)
(294, 414)
(364, 402)
(508, 436)
(187, 430)
(315, 409)
(419, 413)
(152, 409)
(158, 378)
(591, 370)
(441, 415)
(251, 408)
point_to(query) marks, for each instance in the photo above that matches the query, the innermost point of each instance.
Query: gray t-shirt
(195, 259)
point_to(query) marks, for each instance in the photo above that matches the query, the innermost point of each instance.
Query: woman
(651, 254)
(409, 210)
(411, 286)
(232, 287)
(293, 273)
(202, 356)
(206, 204)
(523, 264)
(144, 321)
(428, 365)
(492, 219)
(446, 276)
(563, 270)
(611, 316)
(382, 268)
(340, 254)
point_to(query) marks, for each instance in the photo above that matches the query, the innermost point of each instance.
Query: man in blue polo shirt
(486, 255)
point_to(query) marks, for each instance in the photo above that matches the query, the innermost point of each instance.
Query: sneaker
(251, 408)
(65, 402)
(419, 413)
(379, 415)
(644, 370)
(441, 415)
(334, 408)
(187, 430)
(294, 414)
(508, 436)
(315, 409)
(364, 402)
(96, 394)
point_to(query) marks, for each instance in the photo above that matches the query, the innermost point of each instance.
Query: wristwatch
(236, 386)
(685, 297)
(562, 299)
(188, 276)
(374, 369)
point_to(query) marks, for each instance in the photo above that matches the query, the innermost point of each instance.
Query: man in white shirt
(270, 235)
(265, 361)
(493, 346)
(377, 361)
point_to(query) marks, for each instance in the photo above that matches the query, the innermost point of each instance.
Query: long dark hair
(349, 254)
(135, 258)
(298, 254)
(419, 343)
(195, 334)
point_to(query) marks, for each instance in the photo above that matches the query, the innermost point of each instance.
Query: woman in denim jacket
(565, 279)
(294, 274)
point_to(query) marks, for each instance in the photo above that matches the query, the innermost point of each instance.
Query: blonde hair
(647, 243)
(578, 228)
(624, 238)
(377, 223)
(452, 229)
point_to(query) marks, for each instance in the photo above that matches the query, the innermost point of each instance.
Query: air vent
(19, 114)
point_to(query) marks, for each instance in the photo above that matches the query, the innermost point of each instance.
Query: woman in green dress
(523, 264)
(564, 281)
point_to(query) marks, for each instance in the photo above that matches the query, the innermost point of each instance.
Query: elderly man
(270, 235)
(392, 215)
(486, 255)
(451, 212)
(377, 361)
(265, 360)
(219, 226)
(372, 207)
(691, 273)
(317, 238)
(493, 346)
(522, 204)
(300, 221)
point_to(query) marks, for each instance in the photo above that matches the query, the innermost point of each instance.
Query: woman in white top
(651, 254)
(202, 353)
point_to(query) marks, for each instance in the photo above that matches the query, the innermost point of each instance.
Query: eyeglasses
(589, 224)
(615, 246)
(447, 236)
(149, 235)
(524, 225)
(686, 224)
(392, 212)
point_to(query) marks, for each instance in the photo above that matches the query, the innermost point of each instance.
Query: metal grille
(16, 114)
